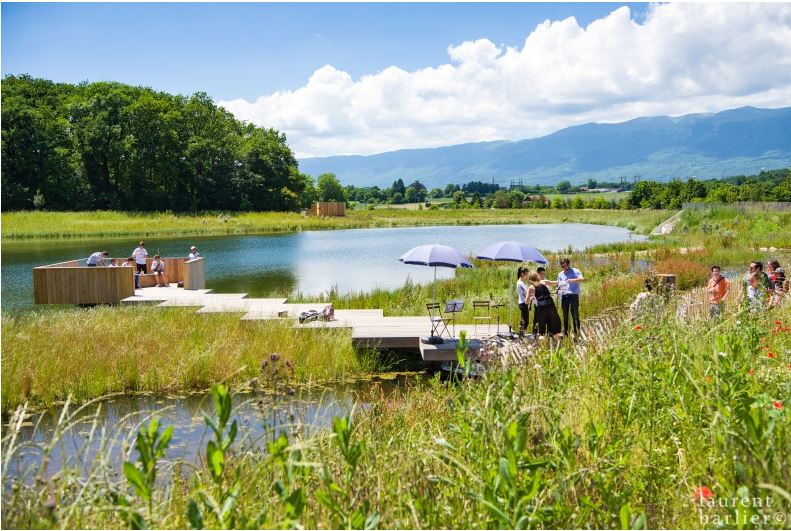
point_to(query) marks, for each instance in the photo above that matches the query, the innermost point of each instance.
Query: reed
(637, 433)
(48, 355)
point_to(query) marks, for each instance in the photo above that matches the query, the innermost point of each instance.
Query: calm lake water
(115, 420)
(309, 262)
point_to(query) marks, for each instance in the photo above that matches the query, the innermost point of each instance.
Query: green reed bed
(613, 279)
(655, 428)
(63, 225)
(49, 354)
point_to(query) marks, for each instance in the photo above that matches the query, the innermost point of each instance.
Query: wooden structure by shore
(327, 208)
(73, 282)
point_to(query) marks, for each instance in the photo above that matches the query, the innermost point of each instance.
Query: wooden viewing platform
(73, 282)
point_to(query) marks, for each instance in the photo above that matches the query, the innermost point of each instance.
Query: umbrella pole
(434, 296)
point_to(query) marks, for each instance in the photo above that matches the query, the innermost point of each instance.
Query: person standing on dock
(194, 253)
(521, 293)
(568, 281)
(140, 255)
(97, 259)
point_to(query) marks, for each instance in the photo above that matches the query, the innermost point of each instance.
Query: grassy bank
(627, 437)
(49, 354)
(21, 226)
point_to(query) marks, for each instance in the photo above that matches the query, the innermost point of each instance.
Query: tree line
(115, 146)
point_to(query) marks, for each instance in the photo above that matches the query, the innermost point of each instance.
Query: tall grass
(63, 225)
(626, 437)
(48, 355)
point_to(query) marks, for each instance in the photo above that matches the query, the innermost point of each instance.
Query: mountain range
(734, 142)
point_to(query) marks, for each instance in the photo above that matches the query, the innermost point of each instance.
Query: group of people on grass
(139, 260)
(532, 288)
(763, 289)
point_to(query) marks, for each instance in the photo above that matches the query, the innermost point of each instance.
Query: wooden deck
(369, 327)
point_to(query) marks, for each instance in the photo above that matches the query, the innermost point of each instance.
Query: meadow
(27, 226)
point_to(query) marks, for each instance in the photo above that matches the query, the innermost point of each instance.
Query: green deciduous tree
(329, 188)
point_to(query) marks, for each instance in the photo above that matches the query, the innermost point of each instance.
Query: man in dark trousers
(569, 285)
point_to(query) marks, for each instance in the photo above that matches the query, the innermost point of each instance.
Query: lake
(308, 262)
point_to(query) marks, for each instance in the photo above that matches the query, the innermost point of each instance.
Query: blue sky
(359, 78)
(246, 50)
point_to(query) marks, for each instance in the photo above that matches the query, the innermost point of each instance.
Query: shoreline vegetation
(222, 348)
(211, 348)
(652, 422)
(41, 226)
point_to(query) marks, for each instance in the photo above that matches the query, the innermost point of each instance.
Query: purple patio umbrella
(435, 256)
(511, 252)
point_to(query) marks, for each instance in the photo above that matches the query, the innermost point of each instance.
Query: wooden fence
(73, 282)
(327, 208)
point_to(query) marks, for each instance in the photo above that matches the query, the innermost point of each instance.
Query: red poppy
(789, 366)
(751, 372)
(778, 404)
(778, 322)
(638, 328)
(771, 355)
(702, 493)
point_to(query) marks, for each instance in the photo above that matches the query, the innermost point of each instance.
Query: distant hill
(738, 141)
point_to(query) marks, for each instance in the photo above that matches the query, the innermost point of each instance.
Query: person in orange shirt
(718, 290)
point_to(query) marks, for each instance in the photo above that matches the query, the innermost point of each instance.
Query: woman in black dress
(546, 313)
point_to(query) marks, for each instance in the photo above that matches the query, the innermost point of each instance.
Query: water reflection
(311, 262)
(110, 424)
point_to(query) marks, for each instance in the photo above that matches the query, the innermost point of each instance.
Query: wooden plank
(194, 275)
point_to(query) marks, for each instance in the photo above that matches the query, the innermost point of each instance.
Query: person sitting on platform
(158, 269)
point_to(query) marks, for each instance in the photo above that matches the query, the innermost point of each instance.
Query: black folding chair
(439, 323)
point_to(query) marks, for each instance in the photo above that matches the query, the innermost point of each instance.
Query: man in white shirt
(569, 280)
(140, 255)
(194, 253)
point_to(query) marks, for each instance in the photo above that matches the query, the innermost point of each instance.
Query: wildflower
(702, 493)
(771, 355)
(723, 354)
(274, 357)
(638, 328)
(292, 391)
(778, 404)
(709, 379)
(778, 322)
(789, 366)
(751, 371)
(264, 363)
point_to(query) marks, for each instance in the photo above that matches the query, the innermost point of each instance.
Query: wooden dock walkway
(369, 327)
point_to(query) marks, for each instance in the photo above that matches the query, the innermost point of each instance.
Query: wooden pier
(369, 327)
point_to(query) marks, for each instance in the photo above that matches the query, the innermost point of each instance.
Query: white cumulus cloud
(681, 58)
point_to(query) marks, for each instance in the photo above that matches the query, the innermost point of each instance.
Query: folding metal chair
(485, 308)
(439, 323)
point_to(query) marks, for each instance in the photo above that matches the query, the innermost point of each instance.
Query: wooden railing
(73, 282)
